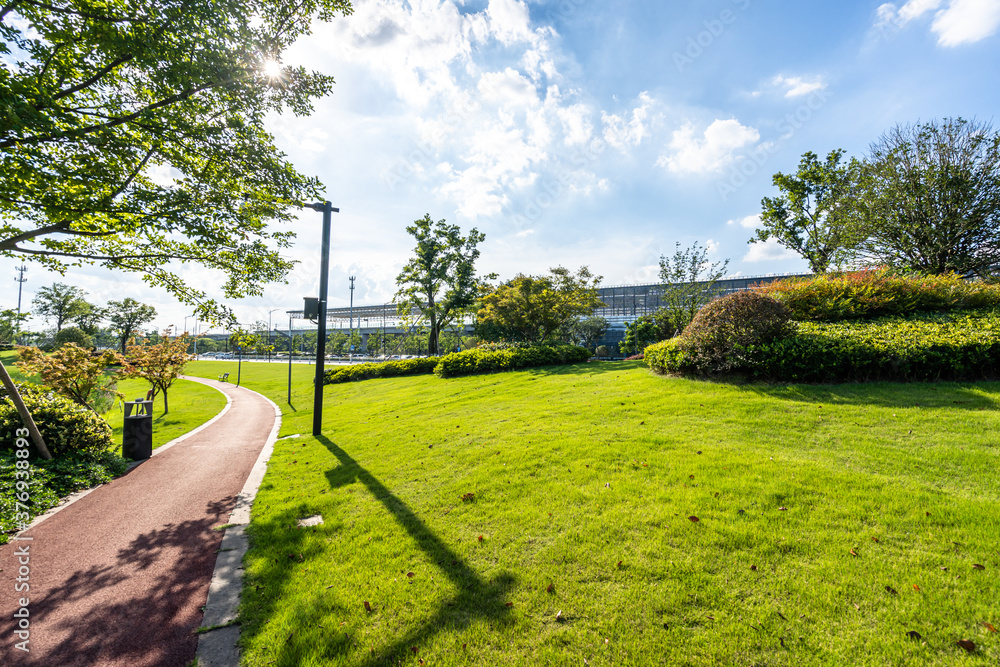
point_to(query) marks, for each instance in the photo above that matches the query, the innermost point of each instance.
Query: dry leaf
(968, 645)
(875, 539)
(468, 497)
(753, 567)
(989, 626)
(619, 565)
(414, 649)
(480, 538)
(927, 513)
(977, 566)
(410, 575)
(853, 552)
(551, 588)
(915, 587)
(694, 519)
(368, 607)
(510, 604)
(691, 476)
(891, 591)
(782, 509)
(913, 634)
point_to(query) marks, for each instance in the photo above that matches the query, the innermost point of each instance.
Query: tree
(159, 364)
(133, 136)
(60, 304)
(75, 373)
(588, 331)
(89, 318)
(929, 198)
(73, 336)
(811, 215)
(126, 318)
(638, 335)
(440, 281)
(10, 325)
(536, 307)
(688, 279)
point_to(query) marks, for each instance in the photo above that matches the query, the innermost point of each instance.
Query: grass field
(191, 405)
(546, 517)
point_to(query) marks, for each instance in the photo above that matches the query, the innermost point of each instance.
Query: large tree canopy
(132, 136)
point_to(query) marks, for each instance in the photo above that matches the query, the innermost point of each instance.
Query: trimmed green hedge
(488, 361)
(64, 425)
(381, 369)
(957, 346)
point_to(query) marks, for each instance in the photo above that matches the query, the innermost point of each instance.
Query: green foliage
(587, 331)
(718, 334)
(929, 198)
(810, 216)
(602, 351)
(440, 281)
(74, 335)
(64, 425)
(10, 325)
(482, 360)
(127, 317)
(638, 335)
(877, 293)
(385, 369)
(75, 373)
(59, 303)
(688, 278)
(105, 95)
(667, 357)
(536, 308)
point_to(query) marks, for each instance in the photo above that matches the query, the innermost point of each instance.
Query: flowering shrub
(482, 360)
(382, 369)
(75, 373)
(876, 293)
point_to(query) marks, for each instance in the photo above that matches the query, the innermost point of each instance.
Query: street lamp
(269, 333)
(327, 209)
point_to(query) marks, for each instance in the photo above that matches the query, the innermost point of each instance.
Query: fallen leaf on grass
(977, 566)
(468, 497)
(368, 607)
(875, 539)
(916, 588)
(913, 634)
(969, 646)
(551, 588)
(782, 509)
(509, 604)
(480, 538)
(410, 575)
(753, 567)
(891, 591)
(989, 626)
(853, 552)
(559, 616)
(619, 565)
(694, 519)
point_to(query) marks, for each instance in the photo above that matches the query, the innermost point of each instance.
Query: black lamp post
(324, 271)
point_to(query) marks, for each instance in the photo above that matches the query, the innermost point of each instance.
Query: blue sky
(600, 133)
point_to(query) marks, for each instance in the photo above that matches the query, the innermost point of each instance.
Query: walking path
(121, 576)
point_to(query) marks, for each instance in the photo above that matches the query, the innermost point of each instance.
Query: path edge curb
(217, 647)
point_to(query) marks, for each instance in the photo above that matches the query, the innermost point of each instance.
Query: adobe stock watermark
(714, 28)
(750, 163)
(22, 517)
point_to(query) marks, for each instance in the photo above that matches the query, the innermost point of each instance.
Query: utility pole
(20, 280)
(326, 208)
(350, 324)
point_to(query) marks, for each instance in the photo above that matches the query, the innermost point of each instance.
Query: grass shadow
(954, 395)
(478, 599)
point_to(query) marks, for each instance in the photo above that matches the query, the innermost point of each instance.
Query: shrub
(958, 346)
(382, 369)
(667, 357)
(75, 373)
(714, 339)
(877, 293)
(488, 361)
(74, 335)
(602, 351)
(65, 426)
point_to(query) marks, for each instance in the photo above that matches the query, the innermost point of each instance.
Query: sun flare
(272, 68)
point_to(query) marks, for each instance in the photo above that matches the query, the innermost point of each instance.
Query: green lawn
(8, 357)
(832, 521)
(191, 405)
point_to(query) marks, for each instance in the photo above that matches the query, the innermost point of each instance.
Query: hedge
(956, 346)
(381, 369)
(474, 361)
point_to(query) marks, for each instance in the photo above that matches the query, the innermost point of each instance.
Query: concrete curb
(217, 647)
(73, 497)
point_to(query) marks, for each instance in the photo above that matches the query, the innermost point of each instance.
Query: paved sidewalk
(121, 576)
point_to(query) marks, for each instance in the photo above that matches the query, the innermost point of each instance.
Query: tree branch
(94, 79)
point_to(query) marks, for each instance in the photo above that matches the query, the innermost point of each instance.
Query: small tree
(75, 373)
(440, 281)
(160, 364)
(638, 335)
(588, 331)
(60, 303)
(688, 279)
(10, 325)
(534, 308)
(75, 336)
(811, 215)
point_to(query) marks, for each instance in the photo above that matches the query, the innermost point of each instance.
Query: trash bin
(137, 434)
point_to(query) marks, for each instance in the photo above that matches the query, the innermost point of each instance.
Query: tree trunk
(166, 406)
(22, 410)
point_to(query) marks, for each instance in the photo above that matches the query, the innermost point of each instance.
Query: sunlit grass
(833, 520)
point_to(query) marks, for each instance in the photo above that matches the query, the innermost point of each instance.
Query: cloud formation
(712, 151)
(959, 22)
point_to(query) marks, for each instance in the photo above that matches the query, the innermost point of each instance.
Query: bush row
(877, 293)
(381, 369)
(958, 346)
(488, 361)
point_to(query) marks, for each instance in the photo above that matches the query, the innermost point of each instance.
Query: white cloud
(749, 222)
(712, 151)
(622, 133)
(768, 251)
(796, 86)
(509, 20)
(960, 22)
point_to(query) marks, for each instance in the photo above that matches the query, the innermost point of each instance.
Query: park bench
(224, 377)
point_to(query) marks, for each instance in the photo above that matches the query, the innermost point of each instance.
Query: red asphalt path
(120, 576)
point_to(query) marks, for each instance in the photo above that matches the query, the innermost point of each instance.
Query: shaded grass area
(832, 520)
